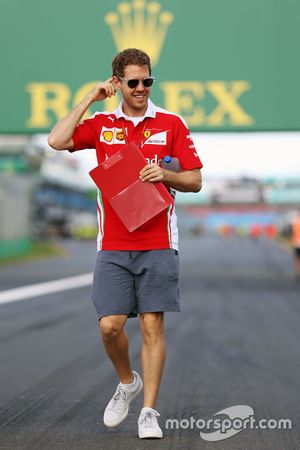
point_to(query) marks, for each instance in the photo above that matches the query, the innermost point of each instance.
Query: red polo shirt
(158, 133)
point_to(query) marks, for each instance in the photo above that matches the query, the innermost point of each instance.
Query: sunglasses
(147, 82)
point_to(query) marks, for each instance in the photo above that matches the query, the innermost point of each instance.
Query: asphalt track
(236, 342)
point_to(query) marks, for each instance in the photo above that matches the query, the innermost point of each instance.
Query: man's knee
(111, 327)
(152, 325)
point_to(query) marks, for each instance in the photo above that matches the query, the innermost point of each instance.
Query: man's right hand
(61, 134)
(102, 90)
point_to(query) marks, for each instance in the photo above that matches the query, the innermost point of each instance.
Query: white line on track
(49, 287)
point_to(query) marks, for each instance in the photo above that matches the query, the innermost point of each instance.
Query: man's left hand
(153, 173)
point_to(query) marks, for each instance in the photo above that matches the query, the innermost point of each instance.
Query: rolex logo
(140, 24)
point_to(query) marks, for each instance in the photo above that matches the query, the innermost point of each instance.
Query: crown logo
(142, 25)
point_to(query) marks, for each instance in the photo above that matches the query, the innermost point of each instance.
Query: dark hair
(127, 57)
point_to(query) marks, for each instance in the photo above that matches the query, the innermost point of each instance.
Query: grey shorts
(133, 282)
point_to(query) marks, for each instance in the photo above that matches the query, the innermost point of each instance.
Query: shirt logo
(154, 160)
(107, 135)
(157, 139)
(147, 133)
(120, 135)
(112, 136)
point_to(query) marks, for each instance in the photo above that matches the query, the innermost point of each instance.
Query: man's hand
(152, 173)
(102, 90)
(61, 134)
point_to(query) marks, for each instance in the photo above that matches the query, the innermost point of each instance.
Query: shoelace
(148, 417)
(118, 398)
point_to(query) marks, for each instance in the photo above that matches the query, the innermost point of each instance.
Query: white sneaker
(148, 425)
(117, 409)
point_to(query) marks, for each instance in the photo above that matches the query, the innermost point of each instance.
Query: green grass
(39, 250)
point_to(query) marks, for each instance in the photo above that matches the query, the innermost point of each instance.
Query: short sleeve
(84, 135)
(183, 147)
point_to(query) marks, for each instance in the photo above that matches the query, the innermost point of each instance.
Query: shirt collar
(150, 112)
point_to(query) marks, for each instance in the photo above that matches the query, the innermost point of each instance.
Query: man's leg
(116, 345)
(153, 354)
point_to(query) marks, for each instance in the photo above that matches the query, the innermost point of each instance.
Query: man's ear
(116, 82)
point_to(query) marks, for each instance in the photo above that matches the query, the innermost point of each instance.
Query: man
(137, 272)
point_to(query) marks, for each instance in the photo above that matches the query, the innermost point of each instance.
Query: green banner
(222, 64)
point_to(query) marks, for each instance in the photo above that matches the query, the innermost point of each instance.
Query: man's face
(135, 100)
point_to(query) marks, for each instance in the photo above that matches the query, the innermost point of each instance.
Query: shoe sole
(150, 436)
(115, 424)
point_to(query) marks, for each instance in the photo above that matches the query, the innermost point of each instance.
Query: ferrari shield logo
(147, 134)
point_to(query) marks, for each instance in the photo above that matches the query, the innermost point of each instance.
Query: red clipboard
(134, 201)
